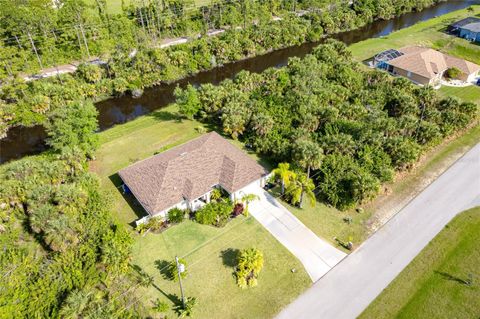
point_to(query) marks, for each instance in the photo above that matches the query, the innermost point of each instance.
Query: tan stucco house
(424, 66)
(184, 176)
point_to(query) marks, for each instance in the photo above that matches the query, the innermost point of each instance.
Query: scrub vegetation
(356, 128)
(37, 35)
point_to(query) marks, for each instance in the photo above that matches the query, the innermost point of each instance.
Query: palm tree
(75, 304)
(284, 174)
(247, 198)
(302, 185)
(308, 154)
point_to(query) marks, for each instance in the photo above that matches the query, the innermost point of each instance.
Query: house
(424, 66)
(468, 28)
(184, 176)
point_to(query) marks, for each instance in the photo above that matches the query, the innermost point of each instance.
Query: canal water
(21, 141)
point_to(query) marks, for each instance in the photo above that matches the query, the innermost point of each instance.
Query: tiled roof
(188, 171)
(428, 62)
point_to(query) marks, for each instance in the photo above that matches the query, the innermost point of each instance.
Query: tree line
(63, 255)
(35, 35)
(325, 114)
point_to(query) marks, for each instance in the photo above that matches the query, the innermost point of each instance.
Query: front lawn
(209, 253)
(434, 284)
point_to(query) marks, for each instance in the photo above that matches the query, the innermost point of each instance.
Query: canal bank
(21, 141)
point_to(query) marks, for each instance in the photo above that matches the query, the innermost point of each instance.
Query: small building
(468, 28)
(184, 176)
(424, 66)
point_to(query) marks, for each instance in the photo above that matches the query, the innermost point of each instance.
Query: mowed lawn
(429, 33)
(468, 93)
(432, 285)
(210, 256)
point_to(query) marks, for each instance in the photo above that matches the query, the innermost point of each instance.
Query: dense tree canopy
(36, 34)
(352, 127)
(62, 253)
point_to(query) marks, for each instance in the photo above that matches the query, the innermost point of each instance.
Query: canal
(21, 140)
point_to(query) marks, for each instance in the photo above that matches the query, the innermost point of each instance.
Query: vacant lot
(436, 283)
(429, 33)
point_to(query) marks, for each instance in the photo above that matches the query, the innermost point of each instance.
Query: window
(409, 74)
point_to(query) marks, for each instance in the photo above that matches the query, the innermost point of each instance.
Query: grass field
(115, 6)
(469, 93)
(427, 33)
(210, 253)
(431, 286)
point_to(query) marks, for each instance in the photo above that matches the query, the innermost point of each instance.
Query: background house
(424, 66)
(468, 28)
(184, 176)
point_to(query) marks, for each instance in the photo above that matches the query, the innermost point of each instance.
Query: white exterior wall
(241, 192)
(472, 77)
(182, 205)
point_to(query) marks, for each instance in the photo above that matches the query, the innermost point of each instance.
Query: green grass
(128, 143)
(428, 33)
(209, 253)
(115, 6)
(468, 93)
(430, 287)
(327, 222)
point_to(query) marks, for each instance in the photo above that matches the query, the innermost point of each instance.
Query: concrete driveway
(354, 283)
(316, 255)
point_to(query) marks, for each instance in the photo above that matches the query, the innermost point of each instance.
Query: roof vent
(183, 154)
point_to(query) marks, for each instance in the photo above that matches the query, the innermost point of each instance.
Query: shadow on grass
(165, 116)
(172, 297)
(447, 276)
(162, 266)
(229, 257)
(129, 198)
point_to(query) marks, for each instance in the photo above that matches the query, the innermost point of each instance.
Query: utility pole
(180, 269)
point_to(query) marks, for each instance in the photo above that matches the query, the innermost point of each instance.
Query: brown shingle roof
(188, 171)
(428, 62)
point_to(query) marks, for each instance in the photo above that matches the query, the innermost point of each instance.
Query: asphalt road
(353, 284)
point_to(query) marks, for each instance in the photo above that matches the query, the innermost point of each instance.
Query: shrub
(216, 214)
(173, 271)
(176, 215)
(89, 72)
(187, 310)
(216, 194)
(453, 73)
(160, 306)
(238, 209)
(249, 265)
(155, 224)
